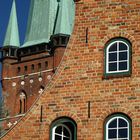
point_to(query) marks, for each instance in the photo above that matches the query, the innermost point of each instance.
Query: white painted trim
(15, 77)
(117, 117)
(107, 57)
(16, 116)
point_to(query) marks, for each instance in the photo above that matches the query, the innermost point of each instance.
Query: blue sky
(22, 13)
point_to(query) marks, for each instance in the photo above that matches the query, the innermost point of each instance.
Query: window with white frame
(118, 56)
(63, 129)
(61, 132)
(118, 128)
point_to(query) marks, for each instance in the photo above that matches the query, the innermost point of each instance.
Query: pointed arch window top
(22, 95)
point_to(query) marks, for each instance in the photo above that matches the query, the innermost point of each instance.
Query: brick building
(94, 92)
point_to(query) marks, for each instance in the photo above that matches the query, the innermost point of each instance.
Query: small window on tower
(22, 102)
(25, 68)
(18, 69)
(63, 40)
(39, 66)
(33, 49)
(32, 67)
(46, 64)
(7, 53)
(12, 52)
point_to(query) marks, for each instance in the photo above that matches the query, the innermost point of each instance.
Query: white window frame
(62, 134)
(107, 57)
(128, 128)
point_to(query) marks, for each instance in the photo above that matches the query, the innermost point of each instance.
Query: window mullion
(128, 59)
(107, 60)
(117, 128)
(117, 56)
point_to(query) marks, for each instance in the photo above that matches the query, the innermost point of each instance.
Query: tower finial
(12, 33)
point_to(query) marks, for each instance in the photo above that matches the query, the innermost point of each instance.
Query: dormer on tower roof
(12, 34)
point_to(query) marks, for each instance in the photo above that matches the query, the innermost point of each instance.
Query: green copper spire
(12, 34)
(40, 22)
(65, 19)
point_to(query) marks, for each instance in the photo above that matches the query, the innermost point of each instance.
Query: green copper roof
(65, 19)
(47, 18)
(12, 34)
(40, 22)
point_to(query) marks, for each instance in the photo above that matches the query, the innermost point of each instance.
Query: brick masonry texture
(79, 78)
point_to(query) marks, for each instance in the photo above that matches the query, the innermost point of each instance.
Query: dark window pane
(32, 67)
(58, 137)
(19, 69)
(66, 138)
(113, 57)
(66, 132)
(122, 123)
(122, 46)
(33, 49)
(46, 64)
(71, 128)
(112, 66)
(123, 56)
(58, 130)
(123, 133)
(122, 65)
(113, 47)
(25, 68)
(12, 52)
(113, 124)
(112, 134)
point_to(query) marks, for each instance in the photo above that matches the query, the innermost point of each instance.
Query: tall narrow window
(25, 68)
(63, 129)
(22, 102)
(46, 65)
(18, 70)
(118, 127)
(32, 67)
(118, 57)
(20, 107)
(39, 66)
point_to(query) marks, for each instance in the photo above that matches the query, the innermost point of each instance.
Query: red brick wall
(79, 78)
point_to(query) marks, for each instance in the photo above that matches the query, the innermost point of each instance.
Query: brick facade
(78, 89)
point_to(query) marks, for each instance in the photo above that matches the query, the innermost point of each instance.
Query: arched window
(18, 70)
(118, 57)
(39, 66)
(46, 65)
(118, 127)
(22, 101)
(63, 129)
(32, 67)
